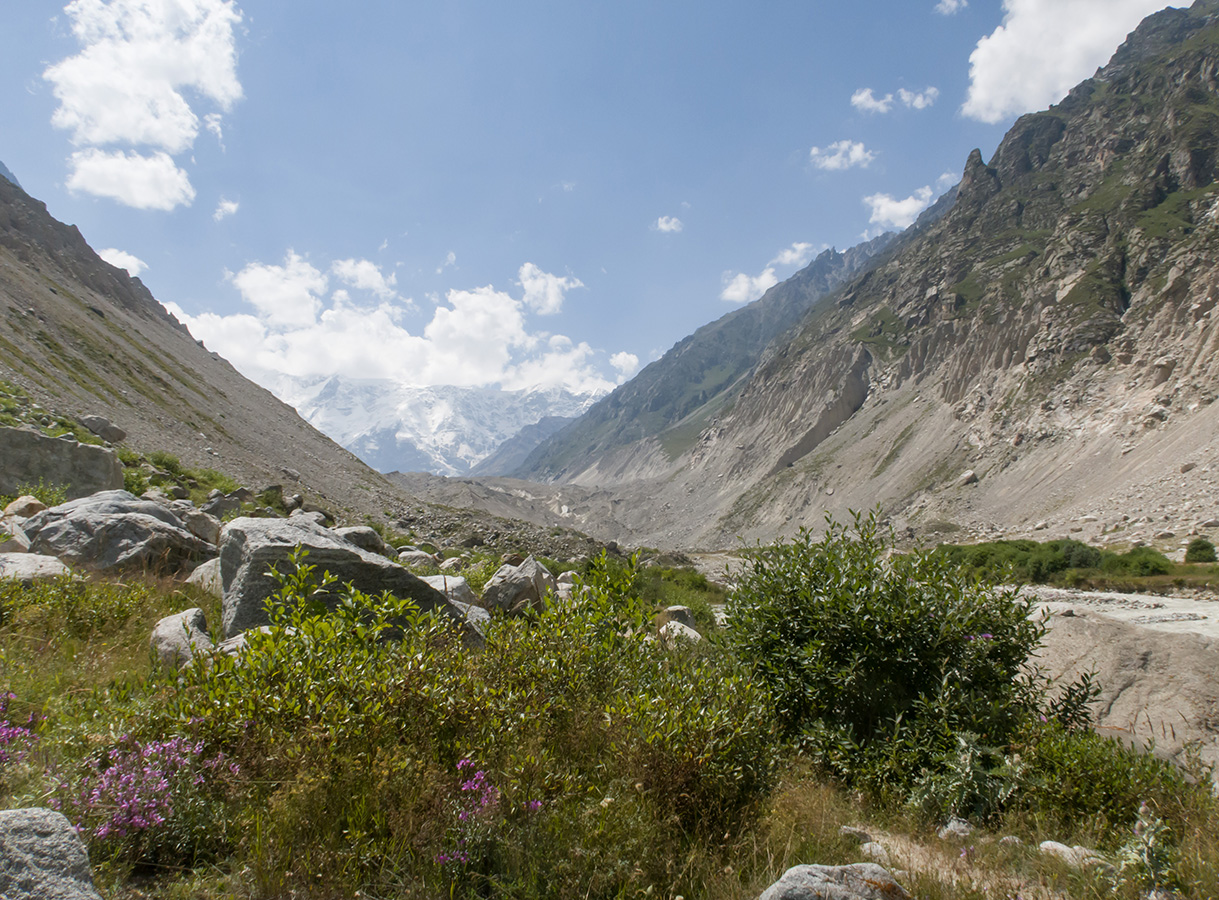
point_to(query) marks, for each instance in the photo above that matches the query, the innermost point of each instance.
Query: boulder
(103, 428)
(27, 457)
(452, 586)
(453, 564)
(316, 516)
(862, 881)
(366, 538)
(207, 577)
(414, 557)
(517, 588)
(177, 638)
(682, 614)
(24, 507)
(225, 504)
(956, 829)
(674, 633)
(30, 567)
(249, 547)
(202, 525)
(114, 531)
(13, 538)
(42, 857)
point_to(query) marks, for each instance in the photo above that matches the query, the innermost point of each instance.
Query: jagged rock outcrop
(28, 458)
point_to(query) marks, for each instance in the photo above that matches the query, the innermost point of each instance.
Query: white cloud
(477, 337)
(950, 7)
(450, 259)
(865, 101)
(668, 225)
(798, 254)
(920, 100)
(741, 288)
(627, 364)
(366, 276)
(287, 296)
(1043, 49)
(947, 180)
(143, 182)
(841, 155)
(127, 84)
(225, 209)
(543, 291)
(123, 260)
(889, 212)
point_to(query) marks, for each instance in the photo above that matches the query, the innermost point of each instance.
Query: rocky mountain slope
(1043, 355)
(443, 429)
(673, 398)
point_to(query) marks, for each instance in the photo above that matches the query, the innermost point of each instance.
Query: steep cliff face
(1054, 332)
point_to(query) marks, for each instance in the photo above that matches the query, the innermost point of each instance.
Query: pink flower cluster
(131, 788)
(483, 795)
(14, 739)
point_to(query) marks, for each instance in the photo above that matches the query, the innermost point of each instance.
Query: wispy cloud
(841, 155)
(225, 208)
(366, 276)
(865, 100)
(918, 100)
(127, 87)
(743, 288)
(798, 254)
(1043, 49)
(450, 259)
(950, 7)
(668, 225)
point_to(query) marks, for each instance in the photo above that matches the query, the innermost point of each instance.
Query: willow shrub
(880, 663)
(362, 735)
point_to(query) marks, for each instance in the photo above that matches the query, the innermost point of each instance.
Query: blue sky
(482, 193)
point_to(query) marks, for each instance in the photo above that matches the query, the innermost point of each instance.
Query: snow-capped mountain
(443, 429)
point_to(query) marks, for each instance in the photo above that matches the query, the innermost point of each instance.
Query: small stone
(856, 834)
(956, 829)
(967, 477)
(875, 852)
(24, 507)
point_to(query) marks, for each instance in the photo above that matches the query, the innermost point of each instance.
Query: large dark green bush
(878, 662)
(1200, 550)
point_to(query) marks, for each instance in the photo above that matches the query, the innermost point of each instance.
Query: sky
(538, 193)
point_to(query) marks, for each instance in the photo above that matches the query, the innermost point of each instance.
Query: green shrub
(1139, 561)
(1200, 550)
(878, 664)
(50, 493)
(166, 462)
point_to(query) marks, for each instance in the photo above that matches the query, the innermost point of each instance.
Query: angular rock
(875, 852)
(862, 881)
(30, 567)
(24, 507)
(366, 538)
(178, 638)
(29, 456)
(115, 531)
(103, 428)
(454, 587)
(13, 538)
(226, 504)
(416, 558)
(317, 517)
(682, 614)
(42, 857)
(207, 577)
(202, 525)
(249, 547)
(859, 835)
(956, 829)
(674, 633)
(453, 564)
(517, 588)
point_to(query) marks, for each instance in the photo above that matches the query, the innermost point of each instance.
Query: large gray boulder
(42, 857)
(114, 531)
(207, 577)
(27, 457)
(103, 428)
(861, 881)
(517, 588)
(452, 586)
(366, 538)
(30, 567)
(178, 638)
(249, 547)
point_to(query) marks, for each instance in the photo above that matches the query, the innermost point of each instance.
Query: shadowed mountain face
(1054, 334)
(81, 336)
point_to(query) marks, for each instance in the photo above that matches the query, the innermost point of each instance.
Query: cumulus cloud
(744, 288)
(1043, 49)
(123, 260)
(367, 276)
(297, 327)
(668, 225)
(127, 84)
(798, 254)
(889, 212)
(225, 208)
(919, 100)
(950, 7)
(142, 182)
(544, 292)
(841, 155)
(865, 100)
(627, 364)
